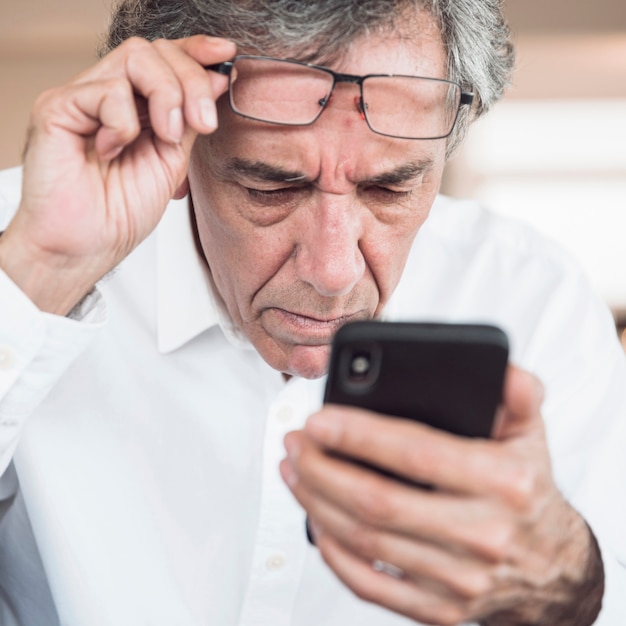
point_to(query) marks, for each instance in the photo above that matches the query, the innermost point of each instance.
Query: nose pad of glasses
(360, 106)
(325, 100)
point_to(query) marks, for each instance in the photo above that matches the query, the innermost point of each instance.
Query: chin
(305, 361)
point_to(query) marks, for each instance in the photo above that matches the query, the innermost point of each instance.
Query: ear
(182, 190)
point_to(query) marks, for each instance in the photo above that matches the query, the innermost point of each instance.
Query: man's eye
(273, 196)
(386, 194)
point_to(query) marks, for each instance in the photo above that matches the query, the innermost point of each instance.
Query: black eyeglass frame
(466, 98)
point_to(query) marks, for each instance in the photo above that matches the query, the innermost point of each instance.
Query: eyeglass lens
(284, 92)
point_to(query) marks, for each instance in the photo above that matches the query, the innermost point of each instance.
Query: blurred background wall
(552, 153)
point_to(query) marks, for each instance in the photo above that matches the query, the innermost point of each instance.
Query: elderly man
(290, 154)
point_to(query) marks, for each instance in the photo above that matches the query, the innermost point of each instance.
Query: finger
(521, 414)
(149, 76)
(104, 108)
(399, 595)
(119, 119)
(479, 526)
(440, 567)
(170, 76)
(201, 88)
(414, 451)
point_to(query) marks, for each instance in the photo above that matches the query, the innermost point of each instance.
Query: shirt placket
(280, 546)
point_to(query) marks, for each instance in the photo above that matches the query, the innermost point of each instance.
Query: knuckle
(47, 108)
(496, 542)
(474, 585)
(364, 541)
(134, 45)
(41, 107)
(117, 87)
(162, 44)
(522, 484)
(423, 456)
(414, 461)
(45, 97)
(375, 505)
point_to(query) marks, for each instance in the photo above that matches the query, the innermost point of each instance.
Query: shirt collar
(187, 301)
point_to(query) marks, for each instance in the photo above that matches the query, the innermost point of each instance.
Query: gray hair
(475, 33)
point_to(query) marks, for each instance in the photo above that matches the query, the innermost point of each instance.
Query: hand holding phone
(495, 504)
(449, 376)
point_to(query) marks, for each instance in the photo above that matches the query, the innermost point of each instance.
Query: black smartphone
(449, 376)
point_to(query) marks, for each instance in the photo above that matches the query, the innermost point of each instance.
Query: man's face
(307, 228)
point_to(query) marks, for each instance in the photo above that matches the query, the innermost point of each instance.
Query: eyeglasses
(292, 93)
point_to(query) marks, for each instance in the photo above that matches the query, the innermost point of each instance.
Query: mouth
(305, 329)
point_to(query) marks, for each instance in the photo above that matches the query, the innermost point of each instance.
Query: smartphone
(449, 376)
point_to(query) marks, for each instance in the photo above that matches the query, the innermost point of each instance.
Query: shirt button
(284, 414)
(275, 562)
(6, 358)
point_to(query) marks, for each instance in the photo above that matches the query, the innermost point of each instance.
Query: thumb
(520, 412)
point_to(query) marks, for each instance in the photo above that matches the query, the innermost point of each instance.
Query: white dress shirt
(139, 444)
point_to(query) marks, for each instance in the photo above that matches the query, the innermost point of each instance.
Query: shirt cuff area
(37, 347)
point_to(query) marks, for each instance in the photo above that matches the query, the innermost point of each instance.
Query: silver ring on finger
(388, 568)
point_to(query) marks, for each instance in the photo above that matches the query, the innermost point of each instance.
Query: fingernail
(324, 428)
(175, 128)
(292, 447)
(207, 114)
(288, 473)
(113, 153)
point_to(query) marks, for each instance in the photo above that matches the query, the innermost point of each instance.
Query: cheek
(386, 253)
(242, 258)
(386, 260)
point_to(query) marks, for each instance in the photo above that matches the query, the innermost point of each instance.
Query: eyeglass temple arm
(466, 98)
(224, 68)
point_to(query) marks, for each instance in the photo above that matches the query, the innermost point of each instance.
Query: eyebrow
(402, 174)
(258, 170)
(265, 172)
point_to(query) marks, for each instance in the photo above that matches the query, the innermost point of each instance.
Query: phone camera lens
(360, 366)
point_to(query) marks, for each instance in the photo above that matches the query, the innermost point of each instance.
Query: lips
(304, 329)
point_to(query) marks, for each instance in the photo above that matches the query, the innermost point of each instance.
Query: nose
(328, 255)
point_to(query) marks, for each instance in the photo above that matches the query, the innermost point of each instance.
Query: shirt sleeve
(35, 350)
(584, 368)
(601, 497)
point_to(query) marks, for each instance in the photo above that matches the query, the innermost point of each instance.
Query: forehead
(413, 46)
(407, 33)
(340, 141)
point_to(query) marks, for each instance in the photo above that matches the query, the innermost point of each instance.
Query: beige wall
(42, 43)
(23, 79)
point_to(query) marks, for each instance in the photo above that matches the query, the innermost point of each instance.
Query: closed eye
(274, 197)
(385, 194)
